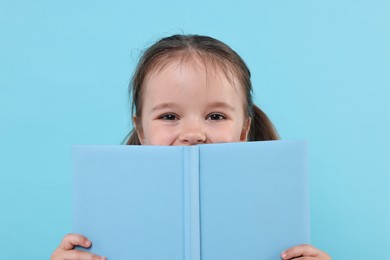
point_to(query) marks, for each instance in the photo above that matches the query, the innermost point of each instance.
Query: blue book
(207, 202)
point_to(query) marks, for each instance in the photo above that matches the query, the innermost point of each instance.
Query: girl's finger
(81, 255)
(301, 250)
(72, 240)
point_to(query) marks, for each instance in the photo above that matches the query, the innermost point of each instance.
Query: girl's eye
(216, 117)
(169, 117)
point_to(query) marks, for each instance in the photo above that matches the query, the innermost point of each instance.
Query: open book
(211, 202)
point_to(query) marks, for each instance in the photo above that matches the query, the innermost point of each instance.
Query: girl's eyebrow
(222, 105)
(164, 106)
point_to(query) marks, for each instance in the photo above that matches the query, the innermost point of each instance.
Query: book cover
(215, 201)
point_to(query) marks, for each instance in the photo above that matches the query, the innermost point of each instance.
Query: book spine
(191, 203)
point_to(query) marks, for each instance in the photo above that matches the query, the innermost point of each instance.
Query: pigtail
(261, 128)
(132, 138)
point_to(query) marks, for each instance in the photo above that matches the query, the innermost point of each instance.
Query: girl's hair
(209, 50)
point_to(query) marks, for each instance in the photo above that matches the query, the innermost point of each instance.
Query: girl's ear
(245, 130)
(138, 129)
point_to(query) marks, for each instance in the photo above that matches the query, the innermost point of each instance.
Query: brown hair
(208, 49)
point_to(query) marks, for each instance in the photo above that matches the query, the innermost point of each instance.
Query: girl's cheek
(219, 137)
(161, 135)
(224, 133)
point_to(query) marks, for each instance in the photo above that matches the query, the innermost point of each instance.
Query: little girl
(188, 90)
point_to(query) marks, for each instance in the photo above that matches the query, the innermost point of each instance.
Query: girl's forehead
(203, 65)
(191, 82)
(184, 75)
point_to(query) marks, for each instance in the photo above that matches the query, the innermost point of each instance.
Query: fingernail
(283, 254)
(87, 243)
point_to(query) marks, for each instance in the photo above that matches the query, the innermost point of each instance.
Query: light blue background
(320, 70)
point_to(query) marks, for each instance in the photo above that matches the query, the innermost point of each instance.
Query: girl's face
(185, 104)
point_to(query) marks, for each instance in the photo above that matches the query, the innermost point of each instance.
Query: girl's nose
(192, 135)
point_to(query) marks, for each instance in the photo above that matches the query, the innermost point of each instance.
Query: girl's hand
(65, 249)
(304, 252)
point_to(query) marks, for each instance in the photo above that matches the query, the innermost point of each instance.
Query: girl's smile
(188, 103)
